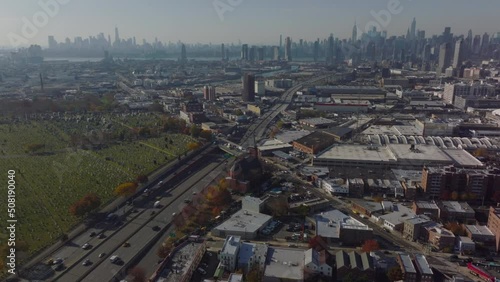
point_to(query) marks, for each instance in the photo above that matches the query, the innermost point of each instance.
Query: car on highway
(101, 236)
(187, 201)
(156, 228)
(194, 193)
(86, 246)
(114, 259)
(59, 267)
(57, 261)
(202, 271)
(146, 191)
(174, 214)
(126, 245)
(92, 234)
(102, 255)
(86, 262)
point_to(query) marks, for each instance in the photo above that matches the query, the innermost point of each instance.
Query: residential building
(248, 88)
(334, 227)
(480, 233)
(494, 225)
(229, 253)
(429, 209)
(441, 238)
(424, 270)
(336, 186)
(354, 264)
(412, 227)
(453, 90)
(317, 262)
(465, 245)
(396, 218)
(365, 207)
(456, 211)
(209, 93)
(407, 267)
(252, 255)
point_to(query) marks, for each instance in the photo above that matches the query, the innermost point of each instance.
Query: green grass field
(47, 184)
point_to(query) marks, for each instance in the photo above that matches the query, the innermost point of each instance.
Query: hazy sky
(251, 21)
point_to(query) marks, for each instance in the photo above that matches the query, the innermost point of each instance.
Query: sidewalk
(112, 206)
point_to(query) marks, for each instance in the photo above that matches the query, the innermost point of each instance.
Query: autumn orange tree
(126, 189)
(192, 146)
(86, 205)
(370, 246)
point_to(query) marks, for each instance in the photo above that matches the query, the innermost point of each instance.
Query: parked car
(202, 271)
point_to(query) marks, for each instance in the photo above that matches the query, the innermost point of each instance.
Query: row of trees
(88, 204)
(197, 214)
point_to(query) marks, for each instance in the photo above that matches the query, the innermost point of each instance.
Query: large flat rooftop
(287, 264)
(244, 221)
(328, 224)
(397, 155)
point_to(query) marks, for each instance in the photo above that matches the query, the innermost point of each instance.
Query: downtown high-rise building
(183, 53)
(223, 52)
(485, 44)
(445, 57)
(354, 36)
(316, 50)
(458, 57)
(244, 52)
(413, 29)
(288, 49)
(330, 49)
(117, 36)
(276, 53)
(248, 94)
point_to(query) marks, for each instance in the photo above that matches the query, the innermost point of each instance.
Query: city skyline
(173, 21)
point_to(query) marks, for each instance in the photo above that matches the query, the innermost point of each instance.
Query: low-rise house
(412, 227)
(317, 263)
(441, 238)
(407, 268)
(480, 233)
(354, 264)
(429, 209)
(457, 211)
(425, 273)
(465, 245)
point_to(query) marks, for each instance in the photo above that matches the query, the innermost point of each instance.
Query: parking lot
(208, 264)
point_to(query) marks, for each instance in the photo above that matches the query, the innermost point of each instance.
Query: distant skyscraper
(281, 41)
(248, 88)
(260, 53)
(444, 58)
(413, 29)
(316, 50)
(117, 36)
(288, 49)
(370, 50)
(469, 39)
(183, 53)
(276, 53)
(458, 58)
(485, 44)
(209, 93)
(476, 44)
(330, 49)
(222, 52)
(354, 36)
(251, 53)
(447, 34)
(52, 42)
(244, 52)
